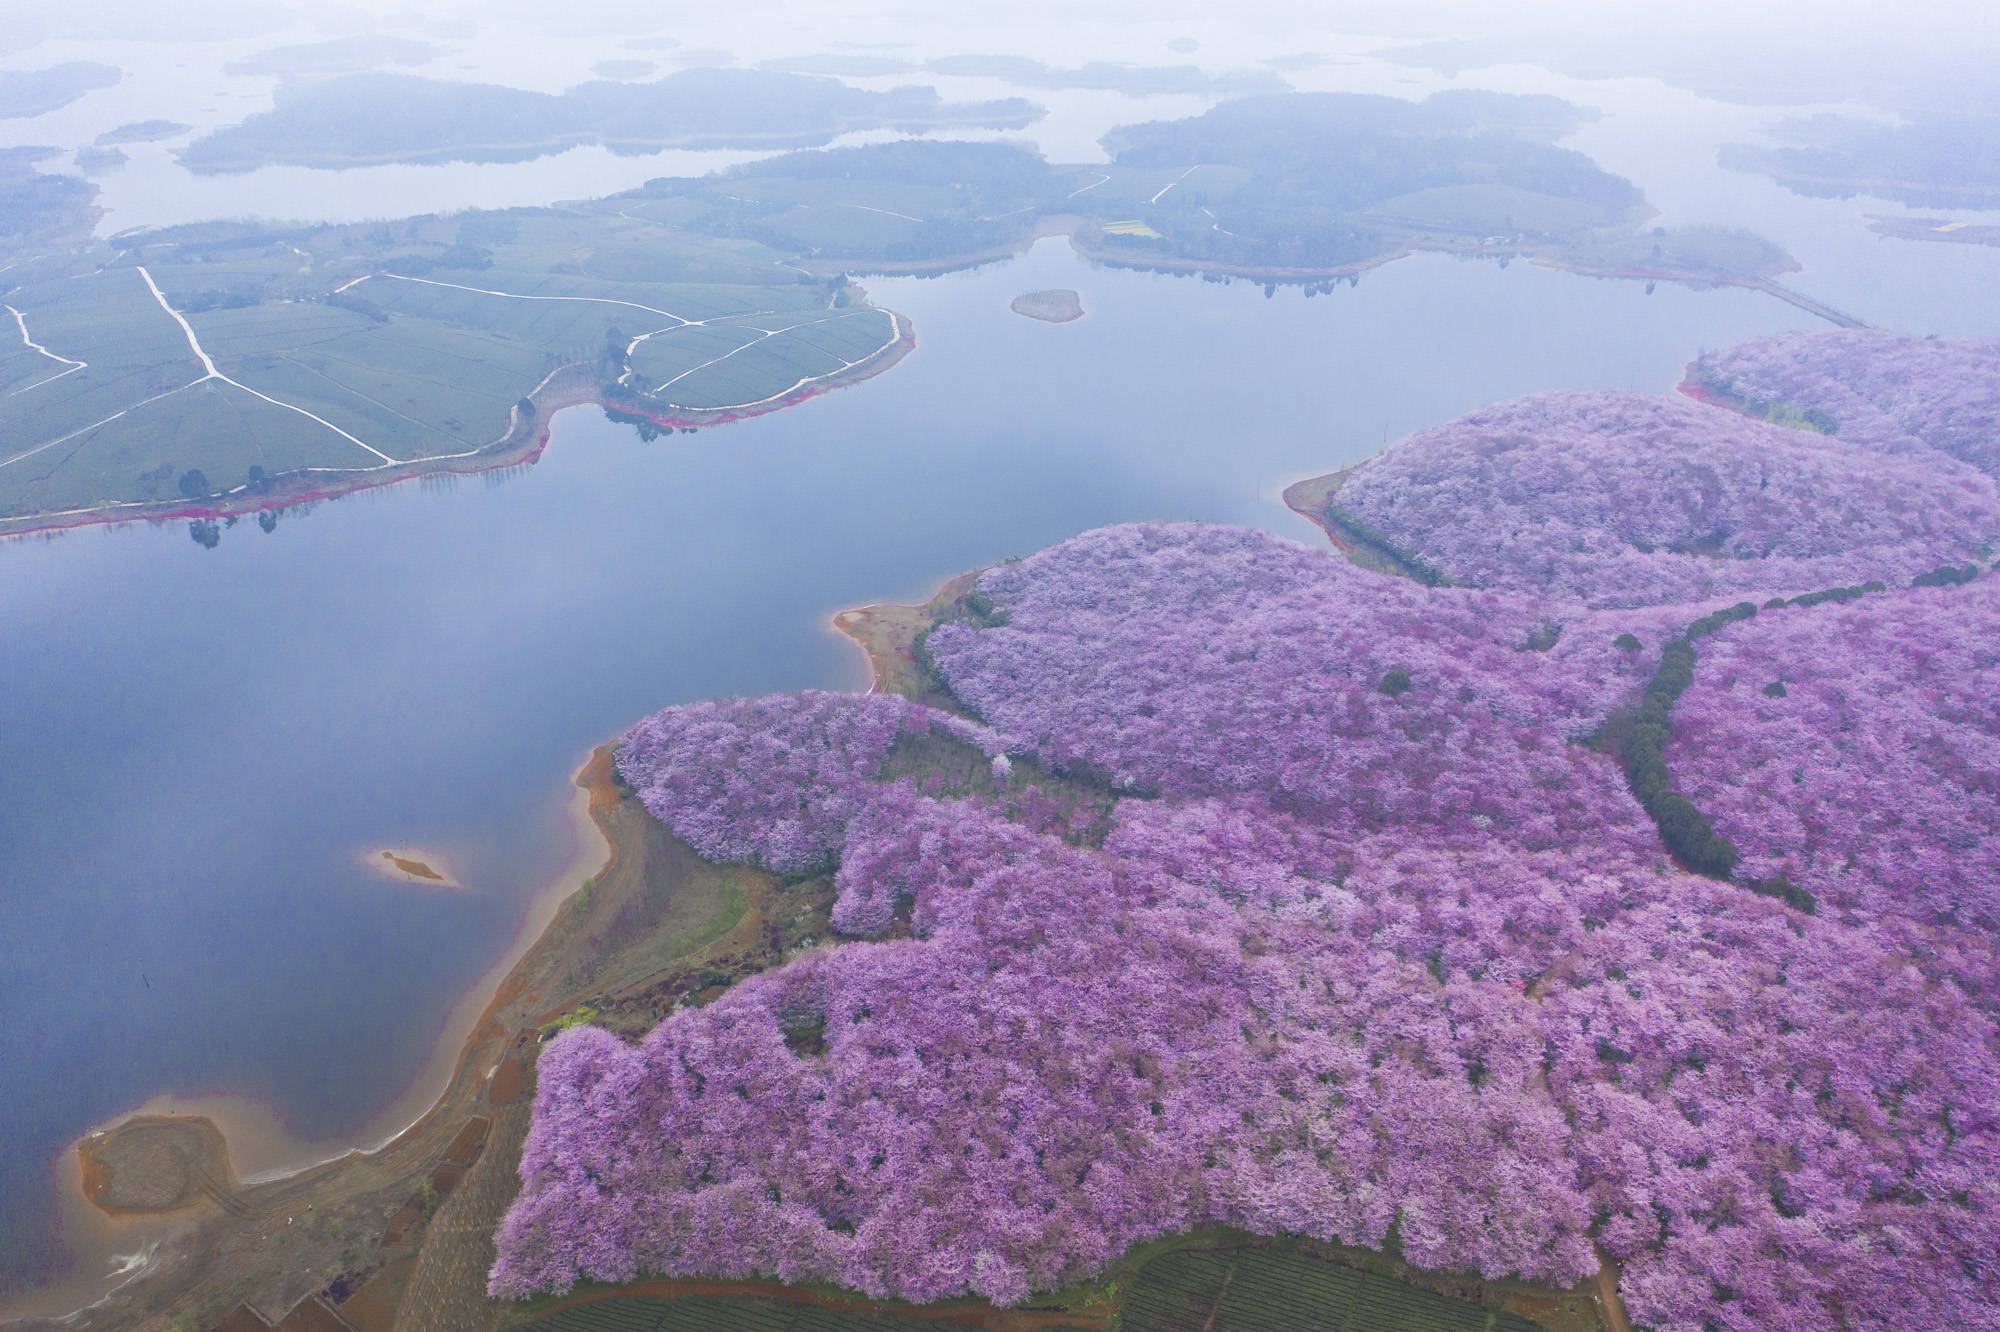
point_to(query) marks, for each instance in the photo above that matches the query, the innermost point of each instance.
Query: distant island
(1931, 163)
(1057, 306)
(364, 119)
(1023, 72)
(1104, 76)
(1463, 173)
(93, 160)
(42, 208)
(339, 55)
(1934, 229)
(25, 94)
(142, 131)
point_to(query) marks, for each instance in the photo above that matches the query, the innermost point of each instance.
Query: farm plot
(1257, 1290)
(750, 361)
(195, 440)
(193, 363)
(412, 388)
(23, 364)
(131, 348)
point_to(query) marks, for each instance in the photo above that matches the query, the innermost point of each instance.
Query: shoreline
(508, 154)
(265, 1168)
(882, 632)
(1307, 497)
(566, 387)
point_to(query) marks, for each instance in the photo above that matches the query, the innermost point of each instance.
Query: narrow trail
(21, 321)
(63, 439)
(208, 364)
(1175, 181)
(886, 212)
(1083, 189)
(681, 320)
(1608, 1296)
(194, 343)
(515, 295)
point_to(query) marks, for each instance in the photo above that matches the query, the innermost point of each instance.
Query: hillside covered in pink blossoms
(1879, 388)
(1378, 946)
(1856, 750)
(1628, 499)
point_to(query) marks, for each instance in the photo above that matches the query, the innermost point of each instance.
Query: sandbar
(408, 864)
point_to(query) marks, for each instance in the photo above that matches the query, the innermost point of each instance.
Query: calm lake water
(197, 745)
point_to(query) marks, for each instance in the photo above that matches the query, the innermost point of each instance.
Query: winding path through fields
(21, 321)
(208, 364)
(111, 510)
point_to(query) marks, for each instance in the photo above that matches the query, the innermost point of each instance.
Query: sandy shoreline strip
(259, 1147)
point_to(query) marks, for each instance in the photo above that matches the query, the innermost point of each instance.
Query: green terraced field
(1270, 1290)
(327, 356)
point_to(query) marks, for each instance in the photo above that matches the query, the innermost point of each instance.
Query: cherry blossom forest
(1626, 889)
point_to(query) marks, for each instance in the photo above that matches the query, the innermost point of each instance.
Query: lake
(197, 746)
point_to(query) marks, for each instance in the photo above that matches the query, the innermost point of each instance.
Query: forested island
(1060, 306)
(1576, 904)
(1935, 162)
(367, 118)
(27, 93)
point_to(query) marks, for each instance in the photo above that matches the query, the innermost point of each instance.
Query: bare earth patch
(156, 1163)
(410, 865)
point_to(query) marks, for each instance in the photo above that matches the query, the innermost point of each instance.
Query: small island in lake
(412, 866)
(142, 131)
(1933, 229)
(1058, 306)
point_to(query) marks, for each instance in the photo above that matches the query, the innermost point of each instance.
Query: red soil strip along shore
(1692, 387)
(1308, 499)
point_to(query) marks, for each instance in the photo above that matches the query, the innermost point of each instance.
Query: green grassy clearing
(713, 1314)
(1275, 1290)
